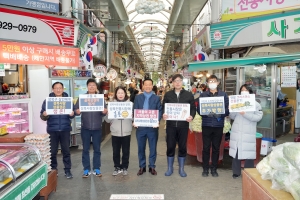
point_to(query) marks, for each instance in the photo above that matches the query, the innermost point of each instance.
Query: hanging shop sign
(237, 9)
(99, 71)
(288, 76)
(44, 5)
(186, 73)
(70, 73)
(35, 27)
(116, 60)
(91, 102)
(36, 54)
(111, 74)
(275, 28)
(119, 110)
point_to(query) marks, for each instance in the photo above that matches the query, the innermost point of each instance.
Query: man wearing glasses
(177, 131)
(212, 128)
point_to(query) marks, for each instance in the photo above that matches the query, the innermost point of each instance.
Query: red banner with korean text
(38, 54)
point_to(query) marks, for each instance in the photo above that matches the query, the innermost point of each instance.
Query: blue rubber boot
(181, 161)
(169, 172)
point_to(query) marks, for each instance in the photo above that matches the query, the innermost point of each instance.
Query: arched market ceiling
(149, 29)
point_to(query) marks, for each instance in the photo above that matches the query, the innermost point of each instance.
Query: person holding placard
(91, 128)
(243, 135)
(147, 101)
(59, 127)
(177, 130)
(121, 134)
(212, 124)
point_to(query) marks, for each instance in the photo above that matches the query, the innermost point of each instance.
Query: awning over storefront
(220, 64)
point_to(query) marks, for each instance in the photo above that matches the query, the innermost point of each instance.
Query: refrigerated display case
(16, 115)
(22, 173)
(74, 82)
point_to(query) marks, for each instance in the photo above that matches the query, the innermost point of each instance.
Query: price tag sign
(146, 118)
(10, 125)
(59, 105)
(119, 110)
(15, 113)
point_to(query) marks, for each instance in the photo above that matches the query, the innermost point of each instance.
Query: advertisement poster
(37, 54)
(177, 111)
(212, 104)
(69, 73)
(91, 102)
(239, 103)
(119, 110)
(146, 118)
(237, 9)
(288, 76)
(59, 105)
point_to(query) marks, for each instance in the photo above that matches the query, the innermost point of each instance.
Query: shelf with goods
(16, 115)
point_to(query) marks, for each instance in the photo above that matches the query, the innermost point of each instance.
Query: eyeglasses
(212, 81)
(177, 81)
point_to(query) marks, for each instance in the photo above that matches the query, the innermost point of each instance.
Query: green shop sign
(267, 29)
(28, 188)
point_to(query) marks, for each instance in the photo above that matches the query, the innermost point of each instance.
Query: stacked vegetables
(282, 167)
(196, 124)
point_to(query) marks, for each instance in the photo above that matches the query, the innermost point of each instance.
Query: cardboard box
(266, 145)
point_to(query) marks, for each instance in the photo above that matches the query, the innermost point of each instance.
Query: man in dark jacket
(212, 128)
(147, 101)
(177, 131)
(91, 128)
(59, 127)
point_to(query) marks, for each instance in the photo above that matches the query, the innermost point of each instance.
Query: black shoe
(68, 174)
(214, 172)
(152, 171)
(205, 173)
(141, 171)
(235, 176)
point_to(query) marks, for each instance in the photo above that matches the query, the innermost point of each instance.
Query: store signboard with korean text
(237, 9)
(36, 54)
(44, 5)
(71, 73)
(35, 27)
(274, 28)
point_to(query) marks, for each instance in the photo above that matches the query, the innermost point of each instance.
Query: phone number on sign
(20, 27)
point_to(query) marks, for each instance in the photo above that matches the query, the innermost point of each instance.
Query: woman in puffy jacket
(243, 135)
(121, 135)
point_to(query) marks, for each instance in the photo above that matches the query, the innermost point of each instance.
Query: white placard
(59, 105)
(91, 102)
(119, 110)
(211, 104)
(177, 111)
(288, 76)
(239, 103)
(146, 118)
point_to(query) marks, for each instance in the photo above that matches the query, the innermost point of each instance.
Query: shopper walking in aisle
(177, 131)
(59, 127)
(212, 128)
(147, 101)
(243, 135)
(121, 135)
(91, 128)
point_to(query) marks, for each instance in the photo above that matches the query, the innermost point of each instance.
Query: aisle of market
(194, 186)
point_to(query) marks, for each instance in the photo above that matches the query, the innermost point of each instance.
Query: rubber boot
(169, 172)
(181, 161)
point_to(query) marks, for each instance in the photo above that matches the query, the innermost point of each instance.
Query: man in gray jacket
(91, 127)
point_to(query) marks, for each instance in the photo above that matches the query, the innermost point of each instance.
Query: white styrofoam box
(266, 145)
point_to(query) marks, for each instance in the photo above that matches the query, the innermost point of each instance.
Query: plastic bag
(292, 153)
(227, 125)
(278, 162)
(196, 124)
(264, 168)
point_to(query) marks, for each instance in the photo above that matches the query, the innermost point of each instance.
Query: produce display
(42, 142)
(196, 124)
(282, 167)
